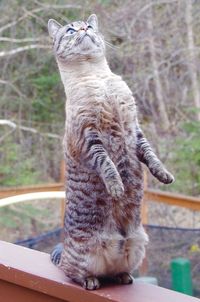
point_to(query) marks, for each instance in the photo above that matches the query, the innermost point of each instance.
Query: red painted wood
(32, 270)
(10, 292)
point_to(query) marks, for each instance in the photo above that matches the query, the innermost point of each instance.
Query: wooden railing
(173, 199)
(28, 275)
(189, 202)
(13, 191)
(192, 203)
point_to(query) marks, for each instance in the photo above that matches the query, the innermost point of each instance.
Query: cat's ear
(93, 21)
(53, 27)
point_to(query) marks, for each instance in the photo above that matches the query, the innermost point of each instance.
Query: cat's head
(77, 40)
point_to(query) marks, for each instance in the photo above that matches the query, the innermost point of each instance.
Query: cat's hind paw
(91, 283)
(124, 278)
(56, 254)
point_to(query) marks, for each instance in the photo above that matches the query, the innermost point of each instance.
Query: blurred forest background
(155, 47)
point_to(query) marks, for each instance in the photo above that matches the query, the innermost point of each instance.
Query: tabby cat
(103, 147)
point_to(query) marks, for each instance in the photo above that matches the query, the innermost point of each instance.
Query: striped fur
(104, 148)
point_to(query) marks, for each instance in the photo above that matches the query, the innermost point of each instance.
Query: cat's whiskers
(111, 45)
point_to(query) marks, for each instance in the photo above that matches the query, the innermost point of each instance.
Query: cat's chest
(99, 88)
(88, 89)
(107, 101)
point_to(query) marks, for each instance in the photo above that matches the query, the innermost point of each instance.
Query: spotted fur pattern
(104, 147)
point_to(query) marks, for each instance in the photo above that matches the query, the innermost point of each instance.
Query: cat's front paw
(115, 188)
(165, 177)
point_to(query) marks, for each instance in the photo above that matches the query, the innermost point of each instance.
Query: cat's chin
(88, 46)
(85, 55)
(87, 40)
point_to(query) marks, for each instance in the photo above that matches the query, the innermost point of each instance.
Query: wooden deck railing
(189, 202)
(12, 191)
(192, 203)
(28, 275)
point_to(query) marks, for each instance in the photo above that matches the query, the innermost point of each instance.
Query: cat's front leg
(98, 159)
(146, 155)
(112, 179)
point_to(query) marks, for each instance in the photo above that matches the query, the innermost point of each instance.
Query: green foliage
(31, 210)
(104, 2)
(6, 218)
(17, 171)
(47, 96)
(187, 159)
(12, 216)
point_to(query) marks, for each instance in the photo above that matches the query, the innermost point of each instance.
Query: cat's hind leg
(77, 273)
(134, 253)
(124, 278)
(56, 254)
(91, 283)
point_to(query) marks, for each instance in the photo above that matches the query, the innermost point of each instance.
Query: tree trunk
(158, 86)
(192, 57)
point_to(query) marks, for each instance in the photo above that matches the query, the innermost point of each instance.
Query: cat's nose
(83, 28)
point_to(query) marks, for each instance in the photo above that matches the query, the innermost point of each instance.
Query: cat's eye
(71, 31)
(89, 26)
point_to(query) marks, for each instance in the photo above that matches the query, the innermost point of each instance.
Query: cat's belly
(106, 256)
(92, 210)
(114, 255)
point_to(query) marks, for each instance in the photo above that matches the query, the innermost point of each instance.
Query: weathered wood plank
(12, 191)
(189, 202)
(192, 203)
(24, 271)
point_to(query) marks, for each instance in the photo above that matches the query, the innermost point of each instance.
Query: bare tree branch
(15, 88)
(8, 123)
(147, 7)
(13, 40)
(37, 10)
(58, 6)
(24, 48)
(27, 129)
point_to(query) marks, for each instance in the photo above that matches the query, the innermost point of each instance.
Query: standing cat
(103, 147)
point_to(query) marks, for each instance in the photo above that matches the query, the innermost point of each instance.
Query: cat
(103, 148)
